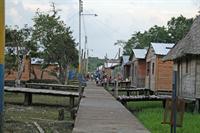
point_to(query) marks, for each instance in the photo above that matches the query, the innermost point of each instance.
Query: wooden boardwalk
(99, 112)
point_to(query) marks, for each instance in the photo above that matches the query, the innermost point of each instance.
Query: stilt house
(138, 68)
(186, 57)
(158, 73)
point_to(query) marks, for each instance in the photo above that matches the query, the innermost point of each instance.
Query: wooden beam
(71, 102)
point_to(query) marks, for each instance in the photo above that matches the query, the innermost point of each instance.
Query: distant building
(38, 73)
(158, 73)
(12, 74)
(111, 68)
(125, 67)
(138, 67)
(32, 70)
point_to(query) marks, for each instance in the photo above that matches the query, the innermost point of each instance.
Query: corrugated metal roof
(109, 65)
(140, 53)
(125, 59)
(37, 61)
(162, 48)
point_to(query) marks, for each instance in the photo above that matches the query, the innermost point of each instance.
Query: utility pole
(87, 61)
(85, 56)
(2, 45)
(82, 66)
(80, 11)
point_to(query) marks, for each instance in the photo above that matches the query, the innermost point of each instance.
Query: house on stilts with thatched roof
(186, 57)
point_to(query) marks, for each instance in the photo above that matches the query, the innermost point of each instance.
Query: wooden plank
(53, 85)
(41, 91)
(138, 89)
(39, 127)
(143, 98)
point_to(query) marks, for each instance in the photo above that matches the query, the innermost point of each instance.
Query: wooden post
(128, 93)
(27, 99)
(61, 114)
(73, 113)
(2, 44)
(124, 103)
(71, 101)
(196, 108)
(164, 102)
(116, 89)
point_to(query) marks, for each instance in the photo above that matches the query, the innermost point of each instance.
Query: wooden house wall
(138, 72)
(36, 72)
(150, 71)
(188, 77)
(158, 73)
(198, 77)
(141, 73)
(134, 73)
(164, 72)
(127, 72)
(12, 75)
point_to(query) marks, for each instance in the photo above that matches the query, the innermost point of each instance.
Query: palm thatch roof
(189, 45)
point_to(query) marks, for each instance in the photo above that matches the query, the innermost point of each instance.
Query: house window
(152, 68)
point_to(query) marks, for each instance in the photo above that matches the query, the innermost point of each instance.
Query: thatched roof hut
(189, 45)
(186, 57)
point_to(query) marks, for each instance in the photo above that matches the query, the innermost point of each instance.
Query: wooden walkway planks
(99, 112)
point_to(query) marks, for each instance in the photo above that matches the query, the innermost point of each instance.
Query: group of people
(101, 77)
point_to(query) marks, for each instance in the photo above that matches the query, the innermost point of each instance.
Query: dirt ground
(43, 112)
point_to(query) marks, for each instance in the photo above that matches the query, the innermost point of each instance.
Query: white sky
(116, 20)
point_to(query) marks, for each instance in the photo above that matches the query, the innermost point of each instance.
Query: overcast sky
(116, 20)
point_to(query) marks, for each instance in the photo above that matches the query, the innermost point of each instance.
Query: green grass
(44, 111)
(151, 115)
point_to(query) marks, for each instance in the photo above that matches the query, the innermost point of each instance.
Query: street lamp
(80, 14)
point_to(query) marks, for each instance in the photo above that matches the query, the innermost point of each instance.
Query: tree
(178, 27)
(56, 40)
(18, 44)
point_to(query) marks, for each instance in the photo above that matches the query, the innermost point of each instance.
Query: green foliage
(176, 29)
(94, 62)
(18, 39)
(56, 40)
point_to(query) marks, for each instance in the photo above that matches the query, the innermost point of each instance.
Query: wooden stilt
(27, 99)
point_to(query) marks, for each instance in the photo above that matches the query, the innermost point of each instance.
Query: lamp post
(80, 11)
(2, 45)
(86, 52)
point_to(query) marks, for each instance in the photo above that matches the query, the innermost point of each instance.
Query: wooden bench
(124, 83)
(54, 86)
(29, 91)
(129, 90)
(125, 99)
